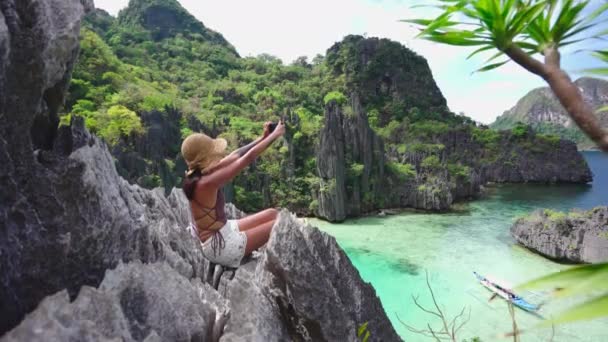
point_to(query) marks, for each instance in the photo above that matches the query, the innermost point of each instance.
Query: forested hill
(154, 74)
(541, 110)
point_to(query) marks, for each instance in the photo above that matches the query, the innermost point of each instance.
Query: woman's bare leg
(258, 236)
(257, 219)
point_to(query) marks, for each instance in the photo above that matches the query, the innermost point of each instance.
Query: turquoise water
(393, 254)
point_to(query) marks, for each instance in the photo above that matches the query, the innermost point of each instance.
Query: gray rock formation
(577, 237)
(115, 259)
(135, 302)
(304, 289)
(346, 140)
(331, 166)
(528, 160)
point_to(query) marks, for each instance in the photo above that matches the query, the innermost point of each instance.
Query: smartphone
(272, 126)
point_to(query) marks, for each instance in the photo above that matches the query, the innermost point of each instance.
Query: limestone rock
(578, 237)
(135, 302)
(305, 289)
(346, 140)
(331, 166)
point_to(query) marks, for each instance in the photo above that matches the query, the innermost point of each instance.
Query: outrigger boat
(507, 294)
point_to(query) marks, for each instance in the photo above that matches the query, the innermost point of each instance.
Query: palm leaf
(481, 49)
(565, 278)
(594, 308)
(597, 12)
(455, 38)
(566, 19)
(490, 67)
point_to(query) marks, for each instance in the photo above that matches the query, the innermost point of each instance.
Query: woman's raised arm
(246, 155)
(239, 152)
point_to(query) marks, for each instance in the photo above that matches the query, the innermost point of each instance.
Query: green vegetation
(152, 82)
(558, 217)
(550, 139)
(335, 96)
(119, 122)
(431, 163)
(355, 170)
(402, 171)
(363, 333)
(520, 131)
(130, 68)
(462, 172)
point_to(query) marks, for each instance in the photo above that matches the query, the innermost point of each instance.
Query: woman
(224, 242)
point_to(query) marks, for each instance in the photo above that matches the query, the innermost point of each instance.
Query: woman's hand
(267, 128)
(279, 130)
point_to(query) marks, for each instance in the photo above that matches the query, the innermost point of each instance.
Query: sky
(290, 28)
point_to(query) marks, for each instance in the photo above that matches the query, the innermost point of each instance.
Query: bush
(355, 170)
(431, 163)
(550, 139)
(556, 216)
(428, 128)
(402, 171)
(119, 122)
(486, 137)
(314, 206)
(460, 171)
(520, 130)
(335, 96)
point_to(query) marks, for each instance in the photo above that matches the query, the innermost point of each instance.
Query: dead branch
(450, 327)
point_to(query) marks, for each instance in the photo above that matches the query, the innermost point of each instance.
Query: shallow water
(393, 254)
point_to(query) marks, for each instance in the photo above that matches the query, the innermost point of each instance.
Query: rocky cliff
(434, 166)
(386, 76)
(541, 109)
(86, 256)
(167, 18)
(350, 163)
(576, 237)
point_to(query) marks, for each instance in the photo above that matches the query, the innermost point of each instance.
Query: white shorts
(234, 248)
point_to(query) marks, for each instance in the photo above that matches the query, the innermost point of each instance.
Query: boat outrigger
(507, 294)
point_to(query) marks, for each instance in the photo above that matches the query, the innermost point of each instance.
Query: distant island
(541, 110)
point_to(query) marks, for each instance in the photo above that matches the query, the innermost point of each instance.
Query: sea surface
(394, 253)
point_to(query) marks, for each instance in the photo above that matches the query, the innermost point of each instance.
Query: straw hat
(202, 152)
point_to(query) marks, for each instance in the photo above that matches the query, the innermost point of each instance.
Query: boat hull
(516, 300)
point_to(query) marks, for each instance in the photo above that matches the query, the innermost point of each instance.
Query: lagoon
(393, 253)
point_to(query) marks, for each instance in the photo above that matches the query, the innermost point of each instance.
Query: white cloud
(289, 29)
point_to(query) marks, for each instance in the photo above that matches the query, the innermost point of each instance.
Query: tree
(520, 29)
(119, 122)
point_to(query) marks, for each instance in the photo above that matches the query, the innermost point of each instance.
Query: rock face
(166, 18)
(348, 140)
(527, 159)
(306, 281)
(114, 259)
(577, 237)
(385, 72)
(135, 302)
(152, 153)
(357, 175)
